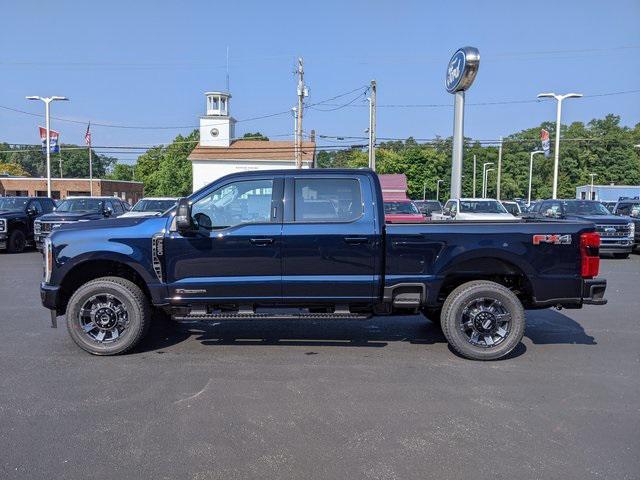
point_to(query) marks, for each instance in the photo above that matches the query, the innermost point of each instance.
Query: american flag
(87, 136)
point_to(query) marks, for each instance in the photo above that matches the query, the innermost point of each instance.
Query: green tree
(13, 169)
(166, 171)
(122, 171)
(256, 136)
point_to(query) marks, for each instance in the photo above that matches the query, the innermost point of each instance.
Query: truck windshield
(148, 205)
(481, 206)
(400, 207)
(585, 208)
(13, 204)
(80, 205)
(428, 207)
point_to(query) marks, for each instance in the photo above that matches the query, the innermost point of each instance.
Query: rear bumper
(593, 291)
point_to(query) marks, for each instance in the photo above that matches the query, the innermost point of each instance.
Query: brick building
(69, 187)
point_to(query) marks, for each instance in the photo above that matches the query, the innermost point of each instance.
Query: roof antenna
(227, 69)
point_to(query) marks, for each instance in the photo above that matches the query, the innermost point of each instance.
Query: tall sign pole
(461, 72)
(498, 180)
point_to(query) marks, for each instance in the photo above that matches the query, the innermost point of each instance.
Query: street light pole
(559, 99)
(438, 189)
(424, 191)
(484, 181)
(531, 173)
(592, 175)
(47, 101)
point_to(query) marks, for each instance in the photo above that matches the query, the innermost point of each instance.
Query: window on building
(327, 200)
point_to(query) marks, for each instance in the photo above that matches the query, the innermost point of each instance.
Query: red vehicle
(402, 211)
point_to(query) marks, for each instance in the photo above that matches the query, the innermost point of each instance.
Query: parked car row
(27, 221)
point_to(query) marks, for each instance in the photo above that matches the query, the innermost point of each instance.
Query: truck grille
(613, 231)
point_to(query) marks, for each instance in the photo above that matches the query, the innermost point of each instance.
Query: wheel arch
(91, 269)
(499, 268)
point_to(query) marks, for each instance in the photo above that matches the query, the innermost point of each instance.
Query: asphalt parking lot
(378, 399)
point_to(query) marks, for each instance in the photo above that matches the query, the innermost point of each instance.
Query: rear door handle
(261, 241)
(356, 240)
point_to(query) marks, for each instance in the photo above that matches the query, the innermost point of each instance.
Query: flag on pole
(87, 136)
(544, 138)
(54, 146)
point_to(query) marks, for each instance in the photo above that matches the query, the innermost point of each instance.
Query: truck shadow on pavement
(543, 327)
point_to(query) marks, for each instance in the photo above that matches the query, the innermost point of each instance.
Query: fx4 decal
(555, 239)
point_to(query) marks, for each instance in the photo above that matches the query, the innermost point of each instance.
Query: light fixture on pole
(47, 101)
(531, 173)
(486, 181)
(484, 178)
(592, 175)
(438, 189)
(559, 99)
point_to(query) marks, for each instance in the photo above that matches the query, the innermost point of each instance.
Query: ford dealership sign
(462, 69)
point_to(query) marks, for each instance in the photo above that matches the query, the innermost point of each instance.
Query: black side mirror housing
(107, 212)
(31, 211)
(184, 220)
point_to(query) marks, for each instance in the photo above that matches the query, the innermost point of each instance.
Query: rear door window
(327, 200)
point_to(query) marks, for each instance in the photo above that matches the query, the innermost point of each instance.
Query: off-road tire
(137, 307)
(452, 313)
(17, 241)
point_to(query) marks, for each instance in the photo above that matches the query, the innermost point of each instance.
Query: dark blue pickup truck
(313, 244)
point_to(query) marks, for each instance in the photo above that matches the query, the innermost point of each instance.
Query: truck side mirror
(107, 211)
(184, 220)
(447, 212)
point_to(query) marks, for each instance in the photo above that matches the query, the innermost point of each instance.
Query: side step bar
(204, 317)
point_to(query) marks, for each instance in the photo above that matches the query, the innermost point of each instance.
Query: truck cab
(17, 217)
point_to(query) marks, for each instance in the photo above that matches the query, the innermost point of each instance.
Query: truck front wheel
(483, 320)
(108, 316)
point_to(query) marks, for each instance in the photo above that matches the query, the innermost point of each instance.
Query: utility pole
(474, 176)
(372, 126)
(302, 92)
(294, 111)
(499, 170)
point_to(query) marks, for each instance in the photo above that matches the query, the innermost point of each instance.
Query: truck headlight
(632, 229)
(3, 225)
(48, 260)
(37, 227)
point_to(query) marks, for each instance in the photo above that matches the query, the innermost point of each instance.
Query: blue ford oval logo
(462, 69)
(455, 70)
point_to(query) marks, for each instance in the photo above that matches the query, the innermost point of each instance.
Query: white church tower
(217, 127)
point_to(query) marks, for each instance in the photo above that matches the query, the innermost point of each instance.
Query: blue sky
(147, 63)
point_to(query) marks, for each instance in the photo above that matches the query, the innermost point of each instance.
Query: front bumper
(3, 241)
(593, 291)
(49, 296)
(618, 245)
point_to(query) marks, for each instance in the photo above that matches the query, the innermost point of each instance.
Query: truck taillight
(590, 254)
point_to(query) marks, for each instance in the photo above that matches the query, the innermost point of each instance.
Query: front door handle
(356, 240)
(261, 242)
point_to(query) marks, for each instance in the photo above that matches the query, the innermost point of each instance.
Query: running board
(205, 317)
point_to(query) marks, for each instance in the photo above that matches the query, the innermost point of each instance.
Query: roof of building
(54, 179)
(394, 186)
(254, 150)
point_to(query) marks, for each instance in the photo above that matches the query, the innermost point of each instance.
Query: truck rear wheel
(108, 316)
(483, 320)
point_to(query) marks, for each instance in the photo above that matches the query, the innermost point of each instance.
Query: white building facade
(219, 153)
